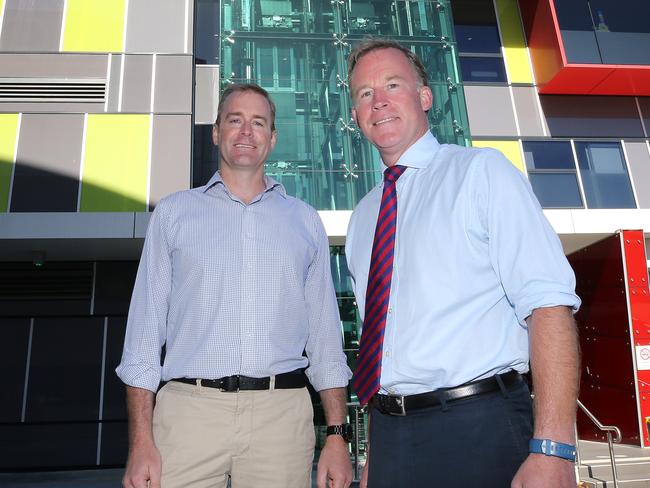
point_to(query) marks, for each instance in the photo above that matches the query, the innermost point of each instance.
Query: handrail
(610, 441)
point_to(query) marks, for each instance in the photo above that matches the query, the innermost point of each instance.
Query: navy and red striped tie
(368, 371)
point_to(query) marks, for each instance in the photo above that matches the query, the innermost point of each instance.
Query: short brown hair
(373, 44)
(245, 87)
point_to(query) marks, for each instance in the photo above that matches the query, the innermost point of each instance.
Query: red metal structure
(614, 325)
(556, 75)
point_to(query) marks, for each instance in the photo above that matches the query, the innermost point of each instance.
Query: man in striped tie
(461, 283)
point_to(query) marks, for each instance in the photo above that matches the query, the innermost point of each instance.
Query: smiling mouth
(383, 121)
(244, 146)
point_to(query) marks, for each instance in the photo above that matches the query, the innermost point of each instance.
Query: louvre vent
(53, 281)
(88, 90)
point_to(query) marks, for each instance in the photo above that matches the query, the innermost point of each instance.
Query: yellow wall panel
(514, 45)
(116, 163)
(94, 26)
(8, 128)
(510, 149)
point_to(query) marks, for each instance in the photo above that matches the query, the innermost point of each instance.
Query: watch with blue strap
(552, 448)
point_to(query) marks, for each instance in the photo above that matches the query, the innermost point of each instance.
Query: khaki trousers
(260, 439)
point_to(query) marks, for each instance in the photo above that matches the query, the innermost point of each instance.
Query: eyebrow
(388, 80)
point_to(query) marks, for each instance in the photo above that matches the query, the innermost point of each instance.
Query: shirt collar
(419, 155)
(269, 184)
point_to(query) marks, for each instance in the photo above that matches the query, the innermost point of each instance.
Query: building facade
(106, 107)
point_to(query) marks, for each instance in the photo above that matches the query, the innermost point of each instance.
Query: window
(479, 44)
(275, 68)
(552, 173)
(604, 175)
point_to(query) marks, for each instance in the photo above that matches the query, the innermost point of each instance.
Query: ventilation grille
(53, 281)
(86, 90)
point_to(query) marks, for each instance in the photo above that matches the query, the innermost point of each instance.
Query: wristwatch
(344, 430)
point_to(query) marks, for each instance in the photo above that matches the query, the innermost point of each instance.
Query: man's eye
(365, 94)
(392, 85)
(234, 121)
(258, 123)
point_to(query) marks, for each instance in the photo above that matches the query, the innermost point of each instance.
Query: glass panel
(205, 156)
(43, 446)
(556, 190)
(320, 155)
(13, 359)
(483, 69)
(548, 155)
(476, 28)
(206, 43)
(77, 358)
(622, 30)
(279, 16)
(604, 175)
(114, 389)
(577, 31)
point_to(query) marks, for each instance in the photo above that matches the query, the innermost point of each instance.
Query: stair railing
(613, 435)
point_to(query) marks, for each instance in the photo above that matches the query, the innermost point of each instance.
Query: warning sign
(643, 357)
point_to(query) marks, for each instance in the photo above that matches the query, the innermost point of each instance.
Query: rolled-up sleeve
(524, 249)
(147, 320)
(327, 363)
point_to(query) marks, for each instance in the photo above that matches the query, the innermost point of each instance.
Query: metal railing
(608, 429)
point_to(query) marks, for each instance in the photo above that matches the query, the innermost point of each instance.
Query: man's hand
(540, 471)
(144, 464)
(334, 467)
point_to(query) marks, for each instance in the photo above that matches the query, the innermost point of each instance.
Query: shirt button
(387, 354)
(390, 310)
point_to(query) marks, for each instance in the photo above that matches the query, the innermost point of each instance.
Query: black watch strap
(344, 430)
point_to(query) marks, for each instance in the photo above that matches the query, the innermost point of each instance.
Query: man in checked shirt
(235, 282)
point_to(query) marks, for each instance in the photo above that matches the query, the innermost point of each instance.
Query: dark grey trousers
(475, 442)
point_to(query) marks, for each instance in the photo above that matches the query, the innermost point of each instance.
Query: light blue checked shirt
(232, 289)
(474, 256)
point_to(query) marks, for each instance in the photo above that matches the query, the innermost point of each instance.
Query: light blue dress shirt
(474, 256)
(233, 289)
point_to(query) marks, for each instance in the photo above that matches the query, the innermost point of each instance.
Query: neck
(243, 184)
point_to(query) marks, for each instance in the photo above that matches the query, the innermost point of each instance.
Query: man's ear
(215, 134)
(273, 139)
(354, 115)
(426, 98)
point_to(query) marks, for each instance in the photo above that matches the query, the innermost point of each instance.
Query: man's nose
(379, 100)
(246, 128)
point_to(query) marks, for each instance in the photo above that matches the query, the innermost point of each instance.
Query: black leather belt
(401, 405)
(294, 379)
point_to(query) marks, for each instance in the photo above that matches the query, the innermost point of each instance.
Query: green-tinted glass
(298, 49)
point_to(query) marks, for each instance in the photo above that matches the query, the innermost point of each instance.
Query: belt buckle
(399, 403)
(229, 384)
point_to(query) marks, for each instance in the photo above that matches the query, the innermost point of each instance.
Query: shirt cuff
(328, 375)
(139, 375)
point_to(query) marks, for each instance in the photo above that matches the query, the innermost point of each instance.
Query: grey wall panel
(156, 26)
(173, 84)
(170, 156)
(638, 157)
(644, 105)
(113, 83)
(190, 27)
(136, 88)
(52, 107)
(46, 177)
(490, 111)
(591, 116)
(206, 94)
(31, 25)
(39, 65)
(528, 111)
